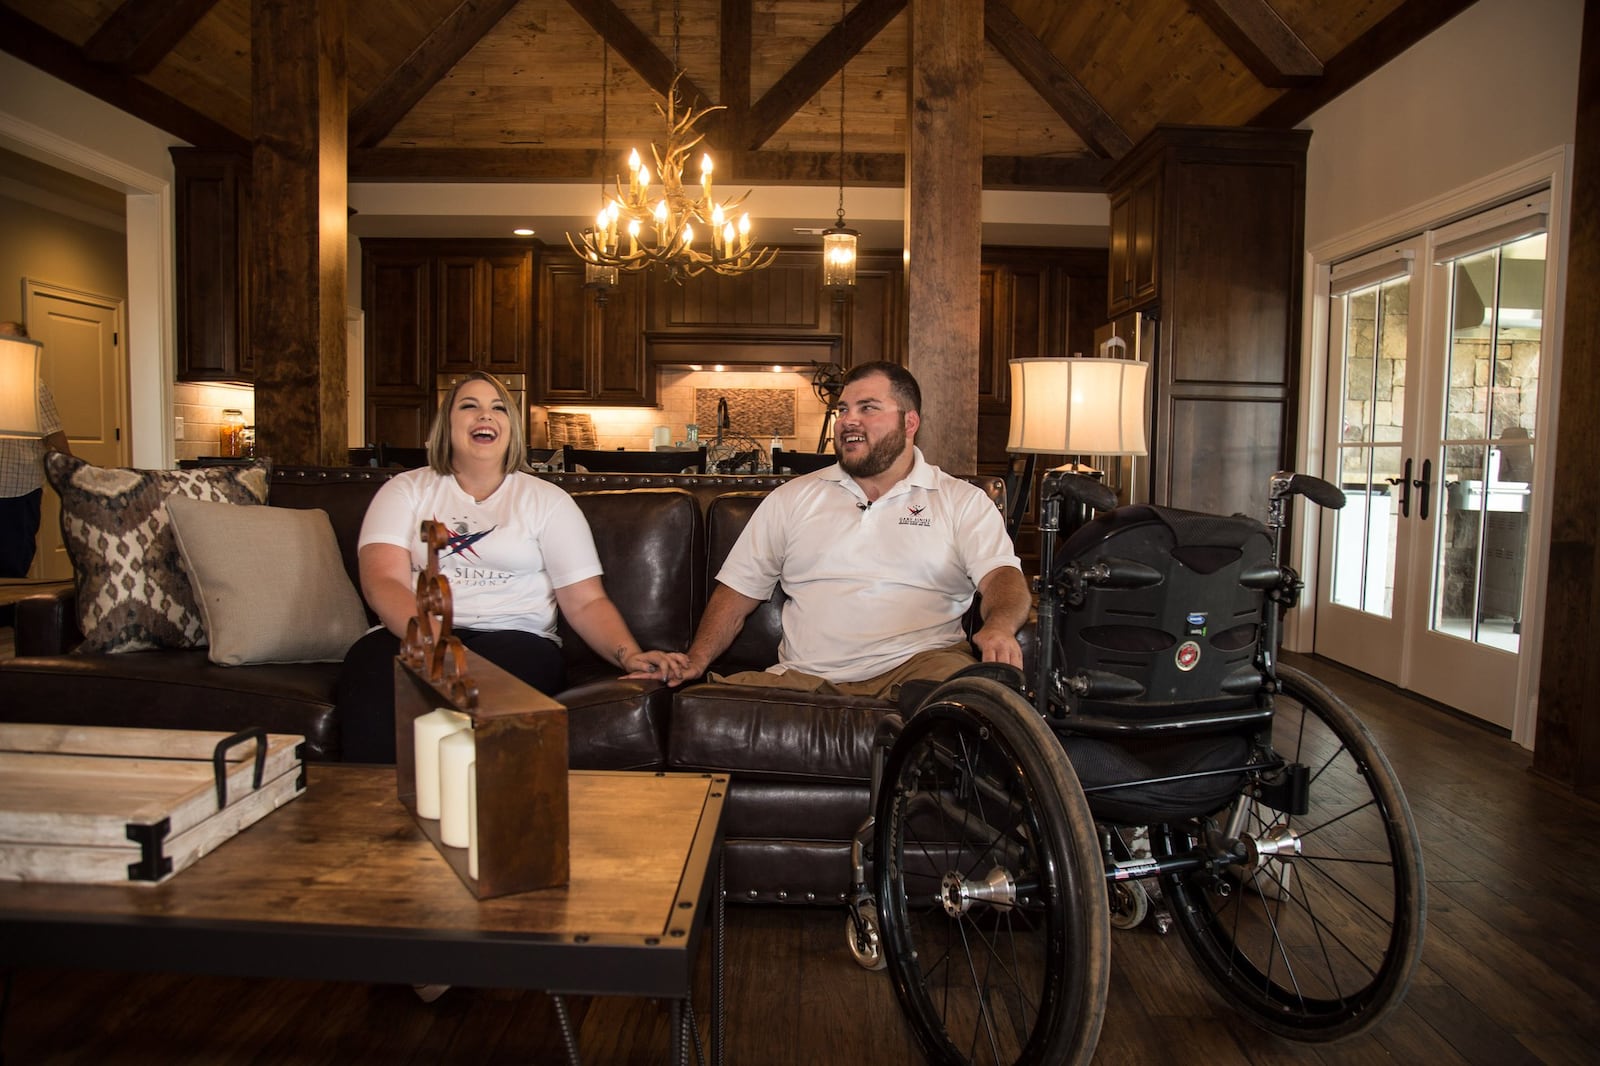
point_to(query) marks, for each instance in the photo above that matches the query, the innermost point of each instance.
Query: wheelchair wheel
(990, 884)
(1316, 946)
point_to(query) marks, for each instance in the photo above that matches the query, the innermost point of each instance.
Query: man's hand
(998, 644)
(668, 666)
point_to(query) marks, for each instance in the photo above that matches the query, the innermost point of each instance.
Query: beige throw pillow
(269, 582)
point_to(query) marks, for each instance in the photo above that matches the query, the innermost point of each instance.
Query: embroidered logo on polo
(913, 517)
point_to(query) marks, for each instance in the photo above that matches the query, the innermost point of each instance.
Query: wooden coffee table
(342, 885)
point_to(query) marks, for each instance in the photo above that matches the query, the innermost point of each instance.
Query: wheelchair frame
(995, 881)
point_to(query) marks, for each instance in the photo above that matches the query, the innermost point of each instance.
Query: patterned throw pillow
(133, 591)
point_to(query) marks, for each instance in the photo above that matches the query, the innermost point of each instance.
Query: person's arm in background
(57, 442)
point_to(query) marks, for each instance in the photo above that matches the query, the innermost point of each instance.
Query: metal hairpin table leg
(568, 1039)
(719, 945)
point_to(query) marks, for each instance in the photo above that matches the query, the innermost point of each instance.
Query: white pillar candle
(456, 752)
(426, 732)
(472, 819)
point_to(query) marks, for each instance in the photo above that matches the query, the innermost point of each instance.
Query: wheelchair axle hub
(1279, 841)
(958, 894)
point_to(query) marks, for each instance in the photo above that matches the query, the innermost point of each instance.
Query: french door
(1436, 345)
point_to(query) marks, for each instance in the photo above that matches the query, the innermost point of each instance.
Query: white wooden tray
(93, 804)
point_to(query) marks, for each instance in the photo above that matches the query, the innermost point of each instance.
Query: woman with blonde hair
(519, 550)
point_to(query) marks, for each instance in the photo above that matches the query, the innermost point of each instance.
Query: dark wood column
(1567, 737)
(944, 231)
(299, 226)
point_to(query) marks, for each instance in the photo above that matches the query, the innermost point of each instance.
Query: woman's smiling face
(479, 422)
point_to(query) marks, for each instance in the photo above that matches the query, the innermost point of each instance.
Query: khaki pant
(937, 664)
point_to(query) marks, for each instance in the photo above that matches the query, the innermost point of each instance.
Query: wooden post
(299, 227)
(1567, 736)
(944, 231)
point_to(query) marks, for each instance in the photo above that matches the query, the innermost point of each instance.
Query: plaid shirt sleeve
(49, 417)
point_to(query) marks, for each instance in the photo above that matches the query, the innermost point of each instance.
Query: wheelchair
(1157, 747)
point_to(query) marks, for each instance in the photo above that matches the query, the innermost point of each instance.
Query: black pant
(19, 529)
(365, 691)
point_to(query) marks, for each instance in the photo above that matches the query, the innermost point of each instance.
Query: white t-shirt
(506, 555)
(868, 585)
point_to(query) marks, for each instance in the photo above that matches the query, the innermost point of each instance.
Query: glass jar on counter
(230, 437)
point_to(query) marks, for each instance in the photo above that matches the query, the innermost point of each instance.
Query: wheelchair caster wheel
(1129, 904)
(861, 933)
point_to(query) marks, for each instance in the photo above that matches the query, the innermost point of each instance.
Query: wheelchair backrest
(1179, 619)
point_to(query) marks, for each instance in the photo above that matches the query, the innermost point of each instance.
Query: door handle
(1424, 484)
(1404, 481)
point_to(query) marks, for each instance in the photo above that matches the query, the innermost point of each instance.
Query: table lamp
(1077, 407)
(19, 387)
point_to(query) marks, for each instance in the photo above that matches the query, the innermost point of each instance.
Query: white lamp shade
(1078, 406)
(19, 387)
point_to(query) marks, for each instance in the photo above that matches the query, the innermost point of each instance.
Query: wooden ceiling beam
(1053, 82)
(62, 59)
(737, 35)
(1264, 43)
(424, 68)
(817, 67)
(649, 62)
(1080, 174)
(139, 33)
(1394, 33)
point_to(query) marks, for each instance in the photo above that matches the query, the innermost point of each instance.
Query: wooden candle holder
(521, 740)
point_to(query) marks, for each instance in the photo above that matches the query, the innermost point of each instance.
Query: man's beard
(880, 457)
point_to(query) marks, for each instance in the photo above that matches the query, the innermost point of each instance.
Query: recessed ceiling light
(523, 231)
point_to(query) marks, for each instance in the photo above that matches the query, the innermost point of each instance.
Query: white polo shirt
(506, 555)
(869, 585)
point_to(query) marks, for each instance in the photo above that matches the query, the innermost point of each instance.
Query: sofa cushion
(269, 581)
(133, 591)
(756, 731)
(651, 544)
(174, 689)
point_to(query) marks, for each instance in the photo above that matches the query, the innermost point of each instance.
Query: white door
(1435, 375)
(83, 366)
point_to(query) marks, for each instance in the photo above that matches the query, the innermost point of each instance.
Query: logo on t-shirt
(914, 518)
(462, 542)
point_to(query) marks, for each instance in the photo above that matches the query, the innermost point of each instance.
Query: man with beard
(880, 556)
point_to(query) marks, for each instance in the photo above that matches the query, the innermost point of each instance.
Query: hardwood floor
(1510, 972)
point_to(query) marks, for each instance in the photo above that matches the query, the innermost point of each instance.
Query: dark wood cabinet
(397, 292)
(211, 223)
(1226, 249)
(436, 307)
(1133, 279)
(590, 351)
(485, 310)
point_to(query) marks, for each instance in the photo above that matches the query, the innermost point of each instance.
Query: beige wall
(1490, 89)
(45, 246)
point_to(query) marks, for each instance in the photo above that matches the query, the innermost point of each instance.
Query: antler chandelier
(655, 221)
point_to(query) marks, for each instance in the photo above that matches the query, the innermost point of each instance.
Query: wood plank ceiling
(512, 90)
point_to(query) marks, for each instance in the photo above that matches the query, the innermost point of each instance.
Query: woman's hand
(670, 667)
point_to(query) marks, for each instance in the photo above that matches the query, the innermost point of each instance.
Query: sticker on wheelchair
(1188, 656)
(1197, 623)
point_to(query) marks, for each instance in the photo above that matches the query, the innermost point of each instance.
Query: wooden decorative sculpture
(520, 741)
(430, 648)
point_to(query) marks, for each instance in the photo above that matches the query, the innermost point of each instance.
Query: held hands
(670, 667)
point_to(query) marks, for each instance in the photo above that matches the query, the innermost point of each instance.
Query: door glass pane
(1373, 403)
(1497, 301)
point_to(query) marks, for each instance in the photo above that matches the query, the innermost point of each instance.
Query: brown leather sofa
(800, 763)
